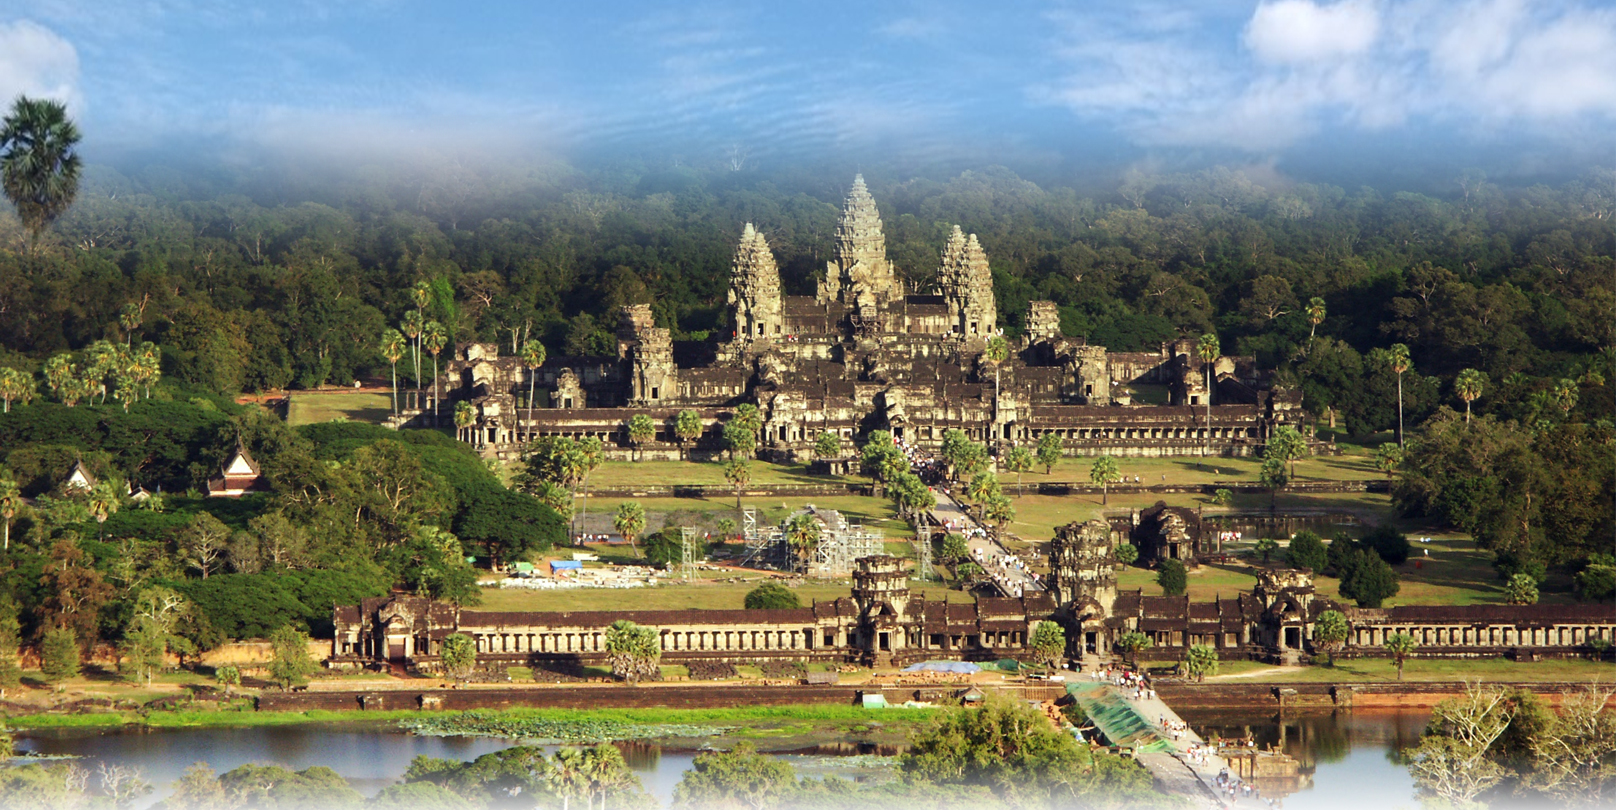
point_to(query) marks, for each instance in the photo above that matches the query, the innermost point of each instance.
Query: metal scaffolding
(923, 564)
(687, 551)
(764, 543)
(840, 543)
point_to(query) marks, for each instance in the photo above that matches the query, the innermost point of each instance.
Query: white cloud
(1296, 67)
(36, 62)
(1304, 31)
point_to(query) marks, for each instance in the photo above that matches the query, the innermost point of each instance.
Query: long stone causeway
(1137, 724)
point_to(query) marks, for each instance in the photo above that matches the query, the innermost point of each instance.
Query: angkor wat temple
(864, 353)
(884, 623)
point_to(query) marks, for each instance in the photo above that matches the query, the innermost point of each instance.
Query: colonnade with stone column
(1483, 635)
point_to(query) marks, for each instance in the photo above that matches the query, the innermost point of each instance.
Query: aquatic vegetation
(550, 731)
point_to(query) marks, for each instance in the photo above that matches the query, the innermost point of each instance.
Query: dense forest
(1504, 300)
(244, 294)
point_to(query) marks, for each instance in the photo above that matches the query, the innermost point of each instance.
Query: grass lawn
(1205, 583)
(308, 407)
(875, 513)
(698, 596)
(1198, 470)
(1426, 669)
(1038, 515)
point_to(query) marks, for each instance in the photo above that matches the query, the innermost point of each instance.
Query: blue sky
(769, 81)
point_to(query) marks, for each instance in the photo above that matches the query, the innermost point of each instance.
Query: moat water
(1344, 757)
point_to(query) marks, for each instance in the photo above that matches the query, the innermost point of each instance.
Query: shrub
(772, 596)
(1172, 578)
(1391, 544)
(1368, 579)
(1307, 551)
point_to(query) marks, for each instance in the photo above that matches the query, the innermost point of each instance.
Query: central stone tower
(860, 275)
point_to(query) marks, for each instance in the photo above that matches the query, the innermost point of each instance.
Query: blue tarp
(559, 565)
(943, 666)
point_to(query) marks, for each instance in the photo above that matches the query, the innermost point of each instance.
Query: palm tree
(1565, 395)
(103, 503)
(1468, 385)
(533, 356)
(582, 457)
(10, 504)
(464, 416)
(1104, 472)
(392, 348)
(1208, 350)
(148, 365)
(802, 534)
(640, 430)
(1315, 316)
(411, 327)
(15, 385)
(102, 357)
(1018, 461)
(738, 473)
(434, 337)
(1399, 361)
(687, 426)
(567, 777)
(629, 522)
(998, 351)
(1400, 646)
(59, 373)
(129, 319)
(39, 162)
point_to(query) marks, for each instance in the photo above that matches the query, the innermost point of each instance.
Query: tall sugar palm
(802, 535)
(16, 385)
(434, 337)
(392, 348)
(566, 777)
(533, 356)
(10, 505)
(641, 429)
(1208, 350)
(1315, 316)
(412, 326)
(464, 416)
(129, 319)
(149, 365)
(1469, 385)
(59, 372)
(39, 162)
(101, 362)
(1398, 361)
(103, 503)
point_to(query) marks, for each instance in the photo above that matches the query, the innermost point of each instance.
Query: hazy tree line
(246, 294)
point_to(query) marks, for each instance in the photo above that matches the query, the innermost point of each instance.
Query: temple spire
(754, 288)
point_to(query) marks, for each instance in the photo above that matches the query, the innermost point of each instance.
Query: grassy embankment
(308, 407)
(1417, 670)
(704, 596)
(755, 721)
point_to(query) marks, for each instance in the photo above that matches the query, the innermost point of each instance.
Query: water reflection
(1344, 755)
(1350, 757)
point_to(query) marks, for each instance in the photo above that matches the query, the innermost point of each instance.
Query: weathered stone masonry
(883, 623)
(864, 353)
